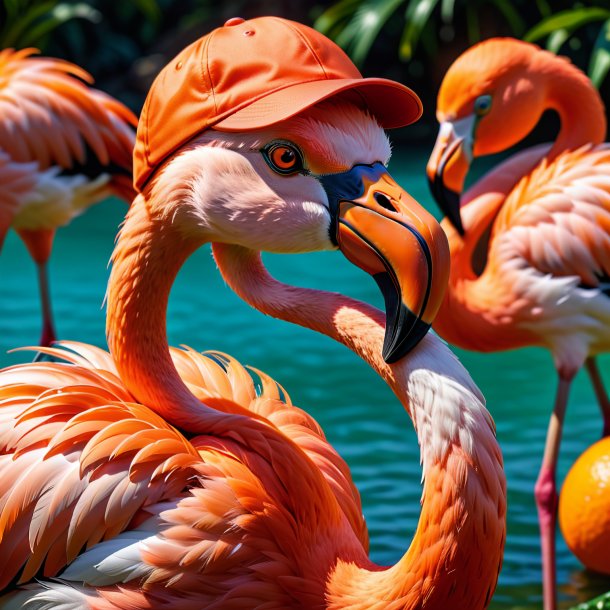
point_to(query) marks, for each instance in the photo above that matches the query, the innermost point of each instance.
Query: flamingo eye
(482, 105)
(283, 158)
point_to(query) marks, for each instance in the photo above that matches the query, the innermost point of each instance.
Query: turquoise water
(358, 413)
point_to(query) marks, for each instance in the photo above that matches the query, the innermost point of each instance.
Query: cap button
(233, 21)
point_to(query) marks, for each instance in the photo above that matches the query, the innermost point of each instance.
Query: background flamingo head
(492, 96)
(317, 181)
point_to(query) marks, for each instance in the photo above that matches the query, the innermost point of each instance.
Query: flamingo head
(492, 96)
(316, 181)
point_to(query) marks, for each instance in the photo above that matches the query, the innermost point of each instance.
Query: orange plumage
(530, 245)
(155, 477)
(71, 143)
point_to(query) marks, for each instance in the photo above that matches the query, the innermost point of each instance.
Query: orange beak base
(385, 232)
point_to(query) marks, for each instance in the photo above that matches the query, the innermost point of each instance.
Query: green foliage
(28, 23)
(567, 21)
(600, 58)
(599, 603)
(355, 24)
(568, 25)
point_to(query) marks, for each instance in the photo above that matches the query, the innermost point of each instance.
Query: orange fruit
(584, 507)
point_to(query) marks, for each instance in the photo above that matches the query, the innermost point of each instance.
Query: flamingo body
(85, 467)
(75, 142)
(530, 241)
(543, 277)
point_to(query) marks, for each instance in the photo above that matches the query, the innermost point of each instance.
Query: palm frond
(569, 20)
(600, 57)
(599, 603)
(417, 15)
(356, 31)
(29, 23)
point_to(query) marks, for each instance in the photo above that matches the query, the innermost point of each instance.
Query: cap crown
(225, 71)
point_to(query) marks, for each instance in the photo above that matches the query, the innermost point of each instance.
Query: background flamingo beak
(380, 228)
(447, 168)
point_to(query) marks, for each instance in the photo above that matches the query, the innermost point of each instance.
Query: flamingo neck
(460, 536)
(146, 260)
(150, 251)
(471, 289)
(578, 103)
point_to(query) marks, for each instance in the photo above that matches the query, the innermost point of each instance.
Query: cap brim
(391, 103)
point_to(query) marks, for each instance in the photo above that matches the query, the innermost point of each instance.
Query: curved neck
(356, 325)
(146, 260)
(471, 290)
(464, 481)
(149, 253)
(578, 103)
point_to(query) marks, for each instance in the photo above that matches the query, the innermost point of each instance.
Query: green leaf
(472, 23)
(556, 40)
(24, 20)
(447, 10)
(58, 16)
(599, 603)
(13, 7)
(362, 27)
(569, 20)
(544, 7)
(600, 57)
(417, 15)
(336, 16)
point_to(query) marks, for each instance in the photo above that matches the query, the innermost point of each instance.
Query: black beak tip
(448, 201)
(394, 351)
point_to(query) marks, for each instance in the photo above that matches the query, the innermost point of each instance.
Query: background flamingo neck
(580, 107)
(470, 289)
(464, 481)
(146, 260)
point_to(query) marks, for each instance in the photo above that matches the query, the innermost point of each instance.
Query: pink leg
(600, 392)
(48, 332)
(39, 243)
(546, 494)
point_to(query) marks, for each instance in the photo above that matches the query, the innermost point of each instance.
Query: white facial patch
(341, 134)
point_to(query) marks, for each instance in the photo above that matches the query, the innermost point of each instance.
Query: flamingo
(148, 476)
(63, 147)
(530, 241)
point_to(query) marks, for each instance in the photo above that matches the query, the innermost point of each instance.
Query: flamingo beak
(380, 228)
(448, 166)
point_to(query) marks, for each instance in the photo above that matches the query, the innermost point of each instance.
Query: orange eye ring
(283, 158)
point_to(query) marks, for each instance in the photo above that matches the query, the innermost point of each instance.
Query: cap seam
(147, 141)
(306, 43)
(207, 67)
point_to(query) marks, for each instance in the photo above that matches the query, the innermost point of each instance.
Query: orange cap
(251, 74)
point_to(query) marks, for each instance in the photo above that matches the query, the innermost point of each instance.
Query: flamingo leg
(600, 392)
(546, 494)
(39, 243)
(48, 330)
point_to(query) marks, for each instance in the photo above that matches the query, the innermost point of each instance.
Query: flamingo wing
(78, 462)
(18, 181)
(95, 482)
(556, 222)
(49, 114)
(215, 377)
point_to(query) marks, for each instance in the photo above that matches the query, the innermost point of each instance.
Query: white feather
(45, 596)
(111, 562)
